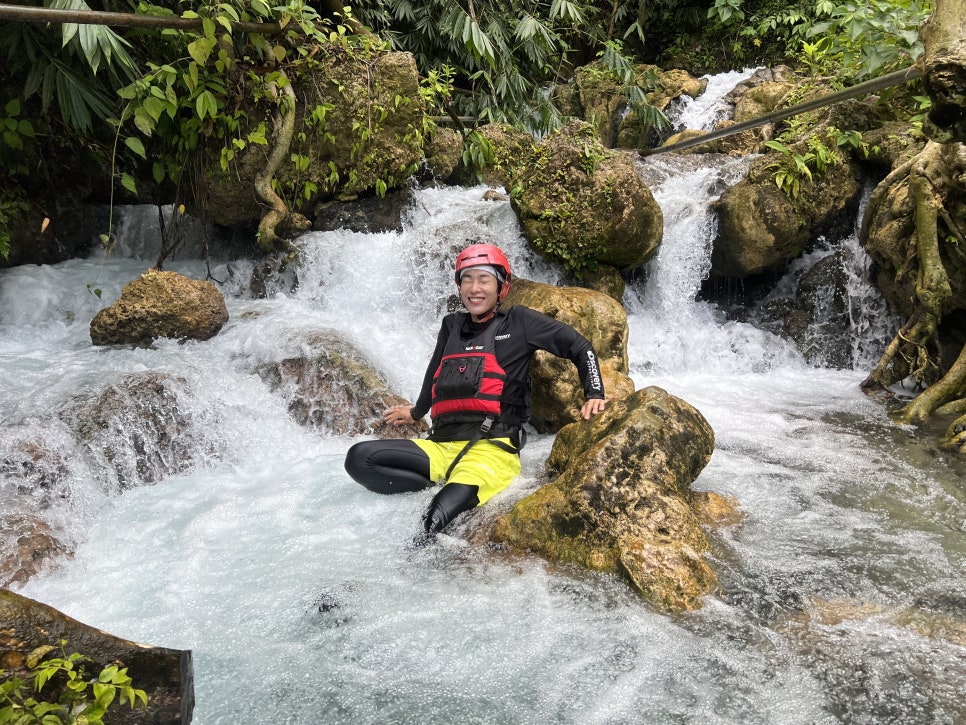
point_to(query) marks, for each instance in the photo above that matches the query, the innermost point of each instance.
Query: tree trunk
(944, 71)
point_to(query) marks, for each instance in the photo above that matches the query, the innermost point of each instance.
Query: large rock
(582, 205)
(557, 391)
(141, 428)
(599, 96)
(161, 304)
(818, 318)
(370, 215)
(622, 501)
(636, 131)
(36, 487)
(166, 675)
(509, 146)
(356, 117)
(331, 386)
(760, 228)
(29, 543)
(444, 152)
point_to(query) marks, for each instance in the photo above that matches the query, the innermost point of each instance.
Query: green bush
(71, 698)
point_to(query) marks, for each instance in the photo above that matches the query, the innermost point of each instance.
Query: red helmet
(479, 254)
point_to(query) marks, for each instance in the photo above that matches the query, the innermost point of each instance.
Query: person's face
(478, 291)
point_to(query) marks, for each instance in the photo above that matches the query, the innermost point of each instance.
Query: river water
(843, 592)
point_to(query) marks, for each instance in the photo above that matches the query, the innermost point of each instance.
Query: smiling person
(477, 391)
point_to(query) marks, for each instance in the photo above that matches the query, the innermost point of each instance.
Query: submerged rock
(161, 304)
(166, 675)
(141, 428)
(331, 386)
(29, 543)
(622, 502)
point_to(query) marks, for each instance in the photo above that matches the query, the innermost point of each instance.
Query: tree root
(951, 387)
(912, 351)
(279, 213)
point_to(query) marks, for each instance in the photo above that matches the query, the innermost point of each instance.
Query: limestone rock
(510, 147)
(599, 97)
(601, 101)
(606, 280)
(166, 675)
(348, 151)
(161, 304)
(634, 132)
(371, 215)
(331, 386)
(761, 99)
(29, 543)
(582, 205)
(716, 510)
(444, 153)
(557, 391)
(622, 501)
(760, 229)
(892, 144)
(141, 428)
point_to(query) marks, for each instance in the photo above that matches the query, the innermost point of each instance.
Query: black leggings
(398, 466)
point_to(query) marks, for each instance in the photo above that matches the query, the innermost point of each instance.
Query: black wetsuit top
(522, 331)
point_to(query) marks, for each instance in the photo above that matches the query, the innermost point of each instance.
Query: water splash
(233, 558)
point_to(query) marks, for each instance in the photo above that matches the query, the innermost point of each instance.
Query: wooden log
(25, 13)
(166, 675)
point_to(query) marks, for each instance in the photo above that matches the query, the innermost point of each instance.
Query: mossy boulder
(761, 228)
(621, 500)
(601, 98)
(582, 205)
(509, 145)
(360, 116)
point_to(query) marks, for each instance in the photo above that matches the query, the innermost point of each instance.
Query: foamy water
(302, 602)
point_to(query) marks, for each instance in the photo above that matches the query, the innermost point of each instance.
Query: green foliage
(200, 93)
(872, 35)
(854, 38)
(79, 66)
(12, 205)
(71, 698)
(502, 57)
(478, 153)
(14, 129)
(806, 159)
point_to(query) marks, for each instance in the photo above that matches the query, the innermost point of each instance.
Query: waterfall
(843, 589)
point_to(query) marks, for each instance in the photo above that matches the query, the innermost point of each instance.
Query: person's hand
(592, 407)
(399, 415)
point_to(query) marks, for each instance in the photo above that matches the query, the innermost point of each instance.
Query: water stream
(843, 588)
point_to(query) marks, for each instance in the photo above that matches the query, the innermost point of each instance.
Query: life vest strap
(477, 437)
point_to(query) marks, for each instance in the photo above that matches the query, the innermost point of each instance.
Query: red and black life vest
(469, 385)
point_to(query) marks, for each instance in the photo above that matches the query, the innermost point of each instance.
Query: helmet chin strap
(489, 315)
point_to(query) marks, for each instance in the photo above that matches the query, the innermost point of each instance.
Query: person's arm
(562, 340)
(404, 413)
(425, 399)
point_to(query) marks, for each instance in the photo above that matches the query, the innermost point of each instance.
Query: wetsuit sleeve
(560, 339)
(425, 399)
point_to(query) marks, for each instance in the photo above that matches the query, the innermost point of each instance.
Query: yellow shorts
(485, 465)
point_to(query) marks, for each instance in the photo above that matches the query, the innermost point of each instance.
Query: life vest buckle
(486, 425)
